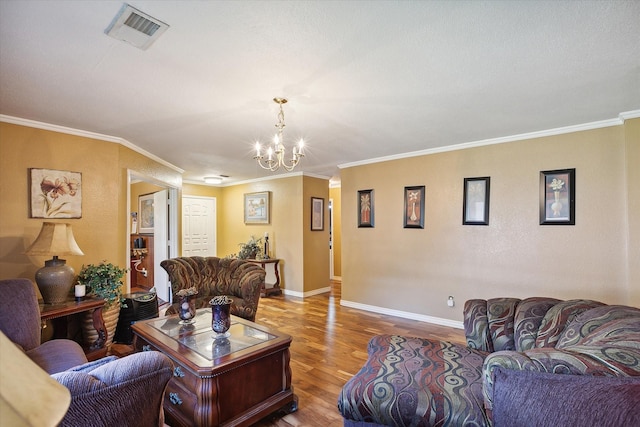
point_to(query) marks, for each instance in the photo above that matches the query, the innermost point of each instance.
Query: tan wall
(334, 194)
(284, 229)
(415, 270)
(140, 189)
(632, 139)
(316, 243)
(101, 233)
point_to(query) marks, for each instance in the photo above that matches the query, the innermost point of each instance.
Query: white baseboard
(404, 314)
(307, 294)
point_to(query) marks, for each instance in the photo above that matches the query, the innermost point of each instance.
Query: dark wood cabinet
(142, 261)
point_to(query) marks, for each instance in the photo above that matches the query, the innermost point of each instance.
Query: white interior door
(160, 244)
(198, 226)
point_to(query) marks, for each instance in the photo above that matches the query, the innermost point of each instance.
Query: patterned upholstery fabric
(419, 382)
(416, 382)
(241, 280)
(114, 392)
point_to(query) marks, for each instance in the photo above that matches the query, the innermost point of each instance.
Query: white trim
(404, 314)
(307, 294)
(86, 134)
(337, 278)
(253, 180)
(627, 115)
(519, 137)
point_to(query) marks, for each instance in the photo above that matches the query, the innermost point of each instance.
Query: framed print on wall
(145, 218)
(365, 208)
(317, 214)
(414, 207)
(55, 194)
(475, 203)
(256, 208)
(557, 197)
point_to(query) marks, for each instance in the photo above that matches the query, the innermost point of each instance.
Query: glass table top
(200, 338)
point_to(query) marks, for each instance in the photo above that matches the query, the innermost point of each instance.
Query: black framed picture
(558, 197)
(414, 207)
(365, 209)
(475, 202)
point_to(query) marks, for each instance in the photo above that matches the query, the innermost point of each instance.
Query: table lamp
(55, 278)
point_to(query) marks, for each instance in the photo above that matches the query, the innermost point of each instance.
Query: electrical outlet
(451, 302)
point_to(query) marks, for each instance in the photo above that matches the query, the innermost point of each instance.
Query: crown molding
(513, 138)
(86, 134)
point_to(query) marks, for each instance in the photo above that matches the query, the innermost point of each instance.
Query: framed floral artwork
(256, 208)
(317, 214)
(557, 197)
(475, 202)
(414, 207)
(365, 209)
(145, 218)
(55, 193)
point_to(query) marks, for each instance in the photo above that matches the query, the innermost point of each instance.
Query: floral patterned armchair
(241, 280)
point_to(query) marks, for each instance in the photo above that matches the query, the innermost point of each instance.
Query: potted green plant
(250, 250)
(104, 281)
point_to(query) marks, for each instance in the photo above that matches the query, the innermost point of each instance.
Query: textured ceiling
(364, 79)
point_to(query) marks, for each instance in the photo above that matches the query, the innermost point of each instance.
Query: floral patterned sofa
(241, 280)
(410, 381)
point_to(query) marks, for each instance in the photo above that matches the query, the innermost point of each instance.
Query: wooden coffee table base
(238, 389)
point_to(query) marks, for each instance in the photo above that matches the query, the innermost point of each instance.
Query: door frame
(172, 236)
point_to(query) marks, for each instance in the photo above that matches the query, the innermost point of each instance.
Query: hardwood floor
(329, 346)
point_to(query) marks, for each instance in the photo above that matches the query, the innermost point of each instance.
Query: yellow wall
(334, 194)
(415, 270)
(632, 146)
(316, 243)
(101, 233)
(140, 189)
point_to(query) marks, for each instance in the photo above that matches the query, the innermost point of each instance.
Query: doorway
(165, 228)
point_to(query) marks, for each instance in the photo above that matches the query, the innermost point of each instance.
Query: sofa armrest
(525, 398)
(123, 392)
(550, 360)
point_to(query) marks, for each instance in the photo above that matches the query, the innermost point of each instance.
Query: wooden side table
(57, 314)
(271, 267)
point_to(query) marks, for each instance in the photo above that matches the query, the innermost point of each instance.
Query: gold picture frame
(256, 207)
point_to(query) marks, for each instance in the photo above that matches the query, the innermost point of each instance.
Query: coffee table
(233, 381)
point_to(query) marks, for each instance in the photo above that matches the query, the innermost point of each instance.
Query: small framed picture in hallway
(365, 209)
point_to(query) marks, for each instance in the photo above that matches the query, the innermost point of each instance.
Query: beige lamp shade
(55, 238)
(55, 278)
(28, 395)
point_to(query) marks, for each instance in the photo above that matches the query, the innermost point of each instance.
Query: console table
(273, 275)
(58, 313)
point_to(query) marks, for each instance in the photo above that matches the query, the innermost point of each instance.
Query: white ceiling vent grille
(135, 27)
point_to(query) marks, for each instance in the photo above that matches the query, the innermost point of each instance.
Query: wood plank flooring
(329, 346)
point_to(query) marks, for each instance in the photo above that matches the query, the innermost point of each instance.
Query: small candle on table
(80, 291)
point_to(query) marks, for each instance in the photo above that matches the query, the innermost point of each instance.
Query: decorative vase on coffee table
(221, 316)
(187, 309)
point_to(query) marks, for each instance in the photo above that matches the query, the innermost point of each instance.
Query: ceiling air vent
(135, 27)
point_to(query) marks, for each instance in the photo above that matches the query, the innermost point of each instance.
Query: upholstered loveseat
(410, 381)
(241, 280)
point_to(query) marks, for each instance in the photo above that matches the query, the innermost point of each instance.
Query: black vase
(221, 315)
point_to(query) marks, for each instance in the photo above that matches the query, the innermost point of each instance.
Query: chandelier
(276, 153)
